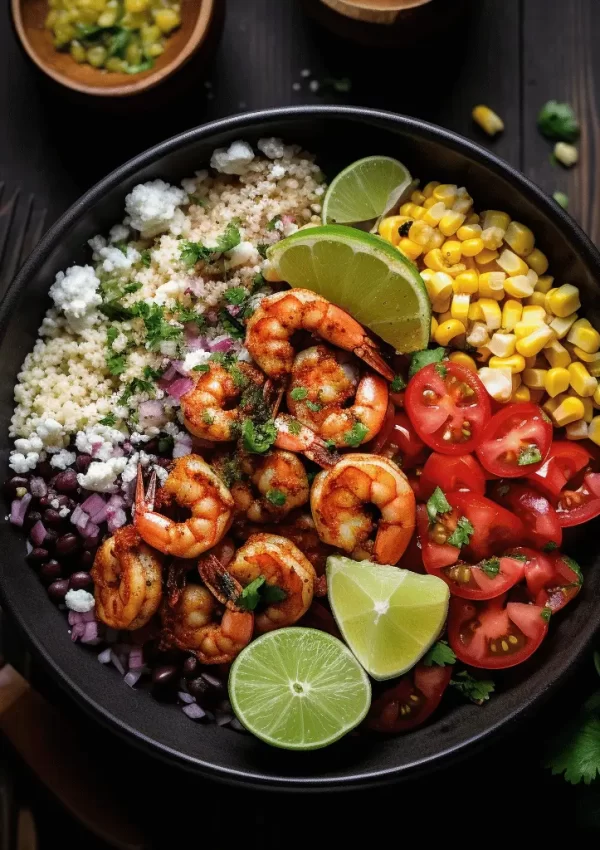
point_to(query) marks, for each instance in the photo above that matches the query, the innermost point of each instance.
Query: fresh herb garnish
(192, 252)
(259, 592)
(272, 593)
(236, 295)
(420, 359)
(151, 374)
(575, 567)
(329, 444)
(528, 455)
(258, 438)
(201, 367)
(109, 420)
(136, 385)
(146, 259)
(299, 393)
(116, 364)
(439, 654)
(158, 329)
(207, 417)
(441, 370)
(229, 240)
(118, 42)
(557, 121)
(437, 503)
(398, 384)
(550, 546)
(491, 567)
(272, 224)
(517, 557)
(355, 435)
(314, 407)
(276, 497)
(146, 65)
(294, 427)
(111, 334)
(186, 315)
(462, 533)
(476, 690)
(546, 614)
(166, 443)
(262, 250)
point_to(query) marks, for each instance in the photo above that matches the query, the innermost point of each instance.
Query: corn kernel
(491, 313)
(533, 313)
(473, 218)
(428, 189)
(531, 363)
(516, 363)
(535, 378)
(472, 247)
(537, 261)
(463, 205)
(512, 264)
(468, 231)
(441, 306)
(498, 382)
(562, 326)
(484, 257)
(511, 314)
(596, 397)
(585, 338)
(446, 193)
(577, 430)
(488, 120)
(421, 233)
(467, 282)
(594, 369)
(495, 218)
(566, 154)
(533, 343)
(436, 241)
(451, 222)
(583, 355)
(492, 238)
(460, 306)
(557, 355)
(389, 227)
(594, 430)
(581, 380)
(166, 19)
(135, 6)
(521, 394)
(550, 404)
(463, 359)
(456, 269)
(520, 238)
(418, 198)
(491, 285)
(556, 381)
(569, 410)
(409, 248)
(429, 202)
(588, 408)
(448, 330)
(516, 381)
(502, 344)
(563, 301)
(536, 299)
(524, 329)
(475, 312)
(434, 214)
(479, 335)
(544, 283)
(518, 286)
(451, 250)
(439, 285)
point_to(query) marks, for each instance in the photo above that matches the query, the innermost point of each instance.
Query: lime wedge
(388, 617)
(364, 275)
(366, 189)
(299, 689)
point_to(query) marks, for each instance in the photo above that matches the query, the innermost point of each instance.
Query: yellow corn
(450, 222)
(492, 237)
(498, 382)
(463, 202)
(581, 380)
(522, 393)
(556, 381)
(472, 247)
(436, 241)
(584, 337)
(468, 231)
(594, 430)
(491, 285)
(537, 261)
(428, 189)
(460, 306)
(492, 314)
(495, 218)
(479, 335)
(502, 344)
(429, 202)
(533, 343)
(569, 410)
(516, 382)
(420, 233)
(577, 430)
(484, 257)
(563, 301)
(518, 286)
(389, 227)
(439, 285)
(550, 404)
(594, 369)
(475, 312)
(536, 299)
(451, 250)
(434, 214)
(434, 326)
(441, 306)
(447, 193)
(520, 238)
(535, 378)
(557, 355)
(544, 283)
(448, 330)
(523, 329)
(463, 359)
(531, 363)
(516, 363)
(583, 355)
(166, 19)
(418, 198)
(488, 120)
(531, 313)
(588, 408)
(435, 260)
(467, 282)
(512, 264)
(412, 210)
(473, 218)
(562, 325)
(511, 314)
(409, 248)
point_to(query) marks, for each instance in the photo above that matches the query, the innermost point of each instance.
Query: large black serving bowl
(338, 136)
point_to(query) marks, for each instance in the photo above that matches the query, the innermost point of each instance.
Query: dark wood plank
(562, 63)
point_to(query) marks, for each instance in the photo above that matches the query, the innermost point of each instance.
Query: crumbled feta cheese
(151, 206)
(244, 355)
(115, 259)
(55, 504)
(52, 435)
(120, 343)
(277, 172)
(79, 600)
(31, 444)
(130, 471)
(64, 511)
(99, 441)
(172, 290)
(119, 233)
(233, 160)
(168, 348)
(23, 463)
(76, 294)
(63, 459)
(243, 254)
(96, 243)
(273, 148)
(195, 358)
(161, 473)
(139, 438)
(101, 476)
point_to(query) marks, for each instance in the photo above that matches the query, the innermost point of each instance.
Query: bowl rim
(136, 86)
(127, 731)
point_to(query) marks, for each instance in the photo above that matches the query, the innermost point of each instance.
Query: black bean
(80, 580)
(90, 543)
(38, 555)
(66, 544)
(31, 519)
(163, 675)
(82, 463)
(199, 688)
(66, 482)
(10, 486)
(45, 501)
(50, 571)
(189, 666)
(51, 538)
(52, 517)
(86, 558)
(213, 682)
(45, 470)
(58, 589)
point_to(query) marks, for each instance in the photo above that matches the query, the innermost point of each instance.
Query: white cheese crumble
(101, 476)
(118, 233)
(64, 511)
(151, 206)
(243, 254)
(195, 358)
(31, 444)
(63, 459)
(272, 148)
(76, 294)
(277, 172)
(116, 260)
(99, 441)
(79, 600)
(233, 160)
(23, 463)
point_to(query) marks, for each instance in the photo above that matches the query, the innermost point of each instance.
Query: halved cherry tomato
(435, 555)
(563, 462)
(541, 521)
(398, 440)
(495, 634)
(448, 406)
(484, 580)
(411, 701)
(455, 472)
(495, 529)
(552, 579)
(514, 437)
(574, 507)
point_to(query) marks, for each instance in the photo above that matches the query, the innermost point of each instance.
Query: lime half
(366, 189)
(364, 275)
(389, 617)
(299, 689)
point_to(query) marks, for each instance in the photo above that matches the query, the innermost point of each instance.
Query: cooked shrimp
(220, 398)
(128, 580)
(281, 564)
(192, 623)
(295, 437)
(281, 315)
(272, 485)
(191, 484)
(338, 498)
(323, 381)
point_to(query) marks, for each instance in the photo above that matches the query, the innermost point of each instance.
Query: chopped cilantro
(420, 359)
(186, 315)
(546, 614)
(271, 593)
(165, 443)
(236, 295)
(207, 417)
(192, 252)
(249, 597)
(355, 436)
(158, 329)
(109, 420)
(315, 408)
(299, 393)
(476, 690)
(136, 385)
(276, 497)
(398, 384)
(111, 334)
(575, 567)
(230, 239)
(404, 228)
(146, 259)
(201, 367)
(272, 225)
(576, 751)
(151, 374)
(294, 427)
(329, 444)
(437, 503)
(558, 121)
(258, 438)
(441, 370)
(262, 250)
(229, 468)
(146, 65)
(257, 281)
(462, 533)
(491, 567)
(132, 287)
(528, 455)
(439, 654)
(517, 557)
(116, 364)
(550, 546)
(231, 325)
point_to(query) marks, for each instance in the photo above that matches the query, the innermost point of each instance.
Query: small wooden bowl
(29, 17)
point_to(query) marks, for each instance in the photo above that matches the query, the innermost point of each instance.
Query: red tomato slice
(495, 530)
(411, 701)
(478, 581)
(448, 407)
(575, 507)
(552, 579)
(435, 555)
(515, 433)
(495, 634)
(398, 440)
(455, 472)
(541, 521)
(563, 462)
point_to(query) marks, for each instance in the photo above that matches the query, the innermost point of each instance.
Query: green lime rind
(364, 275)
(335, 695)
(389, 617)
(366, 189)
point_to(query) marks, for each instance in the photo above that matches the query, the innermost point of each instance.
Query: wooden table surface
(513, 55)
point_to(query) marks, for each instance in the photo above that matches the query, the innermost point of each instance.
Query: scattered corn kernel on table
(513, 57)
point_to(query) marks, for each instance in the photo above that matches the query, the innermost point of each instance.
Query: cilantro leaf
(158, 329)
(440, 654)
(146, 259)
(476, 690)
(230, 239)
(546, 614)
(516, 556)
(207, 417)
(258, 438)
(329, 444)
(398, 384)
(314, 407)
(201, 367)
(186, 315)
(276, 497)
(491, 567)
(294, 427)
(110, 419)
(151, 374)
(262, 250)
(550, 546)
(420, 359)
(576, 751)
(462, 533)
(271, 225)
(135, 286)
(299, 393)
(146, 65)
(249, 597)
(116, 364)
(557, 121)
(575, 567)
(441, 370)
(236, 295)
(136, 385)
(111, 334)
(356, 435)
(272, 593)
(192, 252)
(437, 503)
(529, 454)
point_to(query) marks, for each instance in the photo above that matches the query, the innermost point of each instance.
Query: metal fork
(21, 227)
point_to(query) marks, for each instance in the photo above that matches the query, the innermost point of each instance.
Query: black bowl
(337, 135)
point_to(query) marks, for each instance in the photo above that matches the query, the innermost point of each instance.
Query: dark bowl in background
(338, 135)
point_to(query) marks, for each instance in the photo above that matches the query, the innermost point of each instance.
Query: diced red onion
(133, 677)
(96, 445)
(136, 658)
(74, 617)
(38, 487)
(223, 717)
(197, 344)
(180, 387)
(91, 634)
(114, 504)
(18, 509)
(100, 516)
(90, 530)
(117, 452)
(235, 724)
(38, 533)
(168, 375)
(152, 413)
(117, 520)
(89, 616)
(186, 698)
(104, 656)
(234, 309)
(117, 662)
(182, 446)
(179, 366)
(77, 631)
(221, 344)
(196, 286)
(194, 711)
(93, 504)
(79, 517)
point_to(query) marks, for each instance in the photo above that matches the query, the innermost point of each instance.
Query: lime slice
(389, 617)
(299, 689)
(364, 275)
(366, 189)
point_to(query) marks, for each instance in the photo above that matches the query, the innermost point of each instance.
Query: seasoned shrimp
(295, 437)
(281, 564)
(323, 384)
(220, 398)
(271, 486)
(191, 484)
(281, 315)
(127, 576)
(191, 622)
(338, 498)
